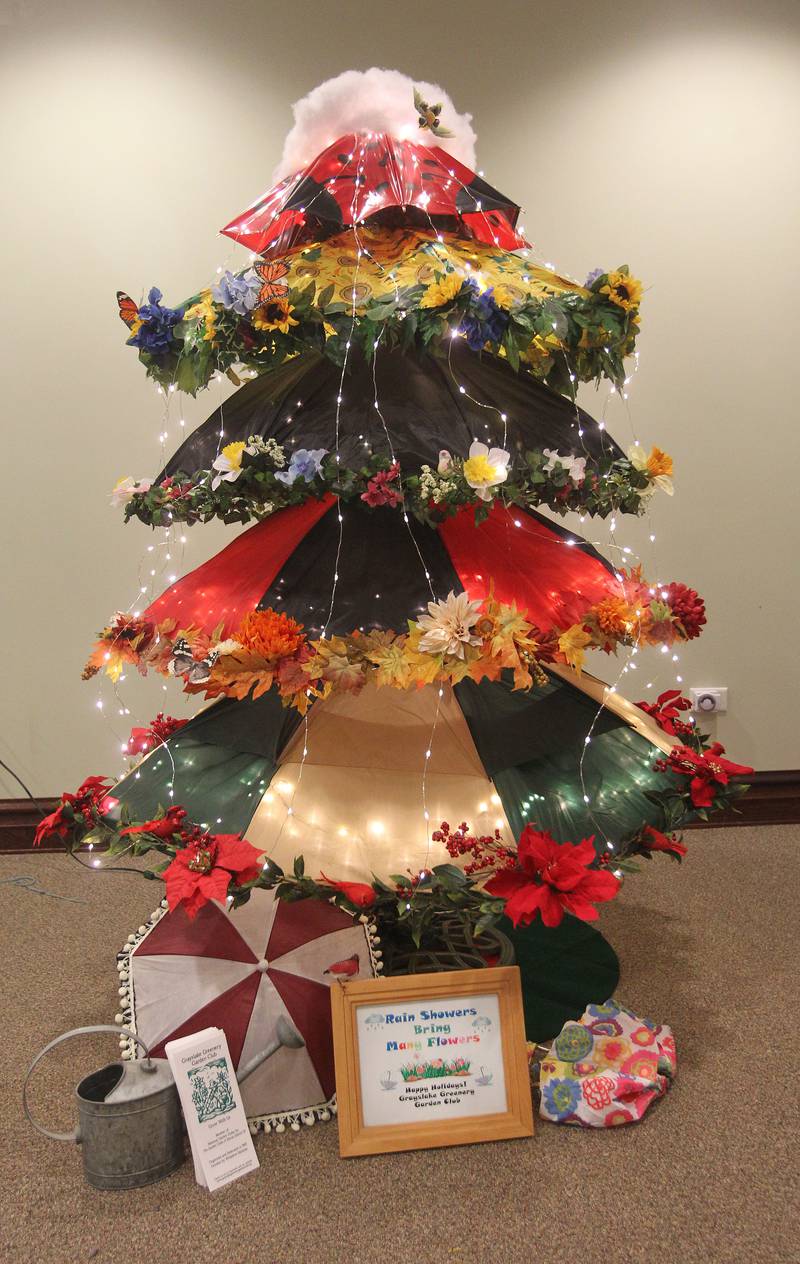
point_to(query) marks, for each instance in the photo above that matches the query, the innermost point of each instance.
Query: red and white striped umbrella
(242, 971)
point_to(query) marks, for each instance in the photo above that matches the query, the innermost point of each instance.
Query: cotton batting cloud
(371, 100)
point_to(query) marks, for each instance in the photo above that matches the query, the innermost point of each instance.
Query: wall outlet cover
(710, 700)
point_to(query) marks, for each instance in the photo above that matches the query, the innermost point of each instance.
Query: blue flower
(305, 463)
(560, 1097)
(485, 321)
(608, 1009)
(238, 293)
(593, 276)
(155, 334)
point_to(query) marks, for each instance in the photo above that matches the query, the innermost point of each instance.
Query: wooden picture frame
(384, 1106)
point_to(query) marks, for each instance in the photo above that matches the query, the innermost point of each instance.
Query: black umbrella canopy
(426, 403)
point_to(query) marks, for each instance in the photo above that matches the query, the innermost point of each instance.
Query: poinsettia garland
(581, 335)
(457, 639)
(537, 877)
(253, 480)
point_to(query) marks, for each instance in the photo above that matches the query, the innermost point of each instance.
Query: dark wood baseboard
(774, 799)
(18, 821)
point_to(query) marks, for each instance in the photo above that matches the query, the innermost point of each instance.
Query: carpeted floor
(710, 1175)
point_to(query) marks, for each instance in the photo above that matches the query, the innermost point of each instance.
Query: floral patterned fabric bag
(606, 1068)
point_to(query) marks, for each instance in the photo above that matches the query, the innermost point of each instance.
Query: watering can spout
(286, 1036)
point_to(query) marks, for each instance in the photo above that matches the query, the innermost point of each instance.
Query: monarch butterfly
(273, 287)
(128, 310)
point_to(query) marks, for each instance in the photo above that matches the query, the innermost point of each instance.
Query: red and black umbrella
(368, 175)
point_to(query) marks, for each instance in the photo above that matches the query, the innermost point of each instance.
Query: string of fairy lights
(159, 558)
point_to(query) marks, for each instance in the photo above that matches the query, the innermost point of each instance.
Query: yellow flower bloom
(485, 468)
(274, 315)
(658, 466)
(504, 298)
(438, 293)
(205, 311)
(233, 453)
(659, 462)
(622, 289)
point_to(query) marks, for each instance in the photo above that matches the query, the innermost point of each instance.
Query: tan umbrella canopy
(359, 797)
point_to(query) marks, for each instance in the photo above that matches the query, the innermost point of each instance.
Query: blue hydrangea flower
(485, 321)
(305, 463)
(593, 276)
(560, 1097)
(155, 334)
(238, 293)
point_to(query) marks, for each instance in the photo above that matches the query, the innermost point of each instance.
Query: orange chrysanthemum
(270, 634)
(615, 617)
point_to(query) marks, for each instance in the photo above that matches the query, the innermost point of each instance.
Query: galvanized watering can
(130, 1126)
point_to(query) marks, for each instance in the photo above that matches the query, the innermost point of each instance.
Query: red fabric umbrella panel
(364, 174)
(243, 971)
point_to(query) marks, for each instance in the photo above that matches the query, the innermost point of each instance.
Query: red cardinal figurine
(345, 969)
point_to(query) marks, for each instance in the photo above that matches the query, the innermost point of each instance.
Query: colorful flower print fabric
(606, 1068)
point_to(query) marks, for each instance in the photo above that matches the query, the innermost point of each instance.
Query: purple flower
(593, 276)
(155, 334)
(485, 321)
(305, 463)
(238, 293)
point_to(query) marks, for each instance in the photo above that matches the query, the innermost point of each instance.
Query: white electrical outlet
(709, 701)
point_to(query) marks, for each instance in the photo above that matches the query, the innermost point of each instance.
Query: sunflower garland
(561, 334)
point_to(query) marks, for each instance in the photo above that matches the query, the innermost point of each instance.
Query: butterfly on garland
(183, 663)
(128, 310)
(429, 116)
(273, 287)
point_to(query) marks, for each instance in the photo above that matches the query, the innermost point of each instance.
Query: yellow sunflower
(622, 289)
(504, 297)
(274, 315)
(438, 293)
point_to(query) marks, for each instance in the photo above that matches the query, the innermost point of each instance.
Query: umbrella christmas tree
(393, 651)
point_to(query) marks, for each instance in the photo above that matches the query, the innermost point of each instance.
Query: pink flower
(378, 490)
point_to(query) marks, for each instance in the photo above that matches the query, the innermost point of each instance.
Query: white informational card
(431, 1060)
(222, 1147)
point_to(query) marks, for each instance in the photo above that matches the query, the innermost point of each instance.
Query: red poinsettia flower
(552, 878)
(654, 840)
(55, 823)
(203, 870)
(708, 770)
(358, 893)
(162, 827)
(91, 794)
(666, 710)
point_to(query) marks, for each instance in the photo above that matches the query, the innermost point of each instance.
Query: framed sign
(430, 1060)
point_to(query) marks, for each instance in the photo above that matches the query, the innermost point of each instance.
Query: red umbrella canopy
(243, 971)
(367, 174)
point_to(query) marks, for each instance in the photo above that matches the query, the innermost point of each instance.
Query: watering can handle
(76, 1031)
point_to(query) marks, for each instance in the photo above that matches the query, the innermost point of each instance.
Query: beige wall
(662, 135)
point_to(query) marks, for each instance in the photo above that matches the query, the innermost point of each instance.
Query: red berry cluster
(488, 851)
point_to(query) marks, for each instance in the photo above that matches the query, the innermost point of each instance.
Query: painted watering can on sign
(130, 1126)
